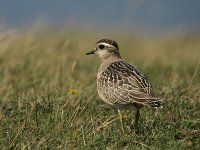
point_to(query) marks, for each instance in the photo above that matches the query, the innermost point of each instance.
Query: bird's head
(105, 48)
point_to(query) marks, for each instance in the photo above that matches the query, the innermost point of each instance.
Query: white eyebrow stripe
(106, 44)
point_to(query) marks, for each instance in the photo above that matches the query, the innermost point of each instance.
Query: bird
(121, 85)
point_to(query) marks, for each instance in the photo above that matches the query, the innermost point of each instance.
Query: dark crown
(108, 41)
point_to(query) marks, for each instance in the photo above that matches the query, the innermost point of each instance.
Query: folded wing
(128, 84)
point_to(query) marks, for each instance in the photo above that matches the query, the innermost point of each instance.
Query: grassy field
(48, 97)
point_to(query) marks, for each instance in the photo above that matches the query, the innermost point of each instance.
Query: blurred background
(156, 16)
(148, 32)
(157, 32)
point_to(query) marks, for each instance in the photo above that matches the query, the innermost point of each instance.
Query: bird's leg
(121, 120)
(137, 116)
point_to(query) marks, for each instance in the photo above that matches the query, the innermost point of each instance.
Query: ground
(48, 96)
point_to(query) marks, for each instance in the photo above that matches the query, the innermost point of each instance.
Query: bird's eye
(101, 46)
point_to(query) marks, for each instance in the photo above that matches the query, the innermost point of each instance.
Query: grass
(48, 97)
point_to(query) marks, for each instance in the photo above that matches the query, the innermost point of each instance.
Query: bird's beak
(91, 52)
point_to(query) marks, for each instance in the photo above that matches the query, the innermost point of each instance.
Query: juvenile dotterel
(120, 84)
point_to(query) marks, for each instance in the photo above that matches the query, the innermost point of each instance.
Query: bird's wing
(130, 85)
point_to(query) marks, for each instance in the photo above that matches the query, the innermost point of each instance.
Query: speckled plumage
(120, 84)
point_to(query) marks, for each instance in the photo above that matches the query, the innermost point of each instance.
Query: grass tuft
(48, 97)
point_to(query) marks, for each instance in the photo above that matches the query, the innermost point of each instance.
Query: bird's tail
(156, 103)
